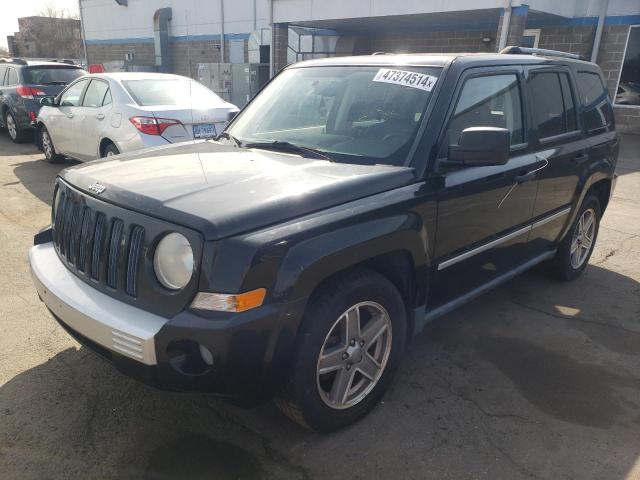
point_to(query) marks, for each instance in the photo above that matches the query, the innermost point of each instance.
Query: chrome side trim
(483, 248)
(107, 321)
(551, 218)
(503, 239)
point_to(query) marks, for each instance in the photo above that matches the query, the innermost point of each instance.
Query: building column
(517, 25)
(279, 45)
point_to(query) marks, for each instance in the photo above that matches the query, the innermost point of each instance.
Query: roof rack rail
(17, 61)
(380, 53)
(514, 50)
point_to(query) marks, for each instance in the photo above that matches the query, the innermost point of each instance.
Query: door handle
(525, 177)
(580, 158)
(100, 116)
(70, 115)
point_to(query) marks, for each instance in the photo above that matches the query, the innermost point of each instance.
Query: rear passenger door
(558, 138)
(92, 117)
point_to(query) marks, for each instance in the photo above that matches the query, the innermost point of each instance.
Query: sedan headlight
(173, 261)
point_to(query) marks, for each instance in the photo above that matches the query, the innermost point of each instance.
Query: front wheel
(47, 147)
(349, 345)
(576, 248)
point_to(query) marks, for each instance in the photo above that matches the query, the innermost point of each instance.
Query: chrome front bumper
(115, 325)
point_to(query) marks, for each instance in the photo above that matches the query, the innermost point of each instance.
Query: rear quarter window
(598, 113)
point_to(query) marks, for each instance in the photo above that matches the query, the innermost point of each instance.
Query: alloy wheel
(582, 240)
(11, 127)
(354, 355)
(46, 145)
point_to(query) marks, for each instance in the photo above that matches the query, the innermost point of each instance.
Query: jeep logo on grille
(97, 188)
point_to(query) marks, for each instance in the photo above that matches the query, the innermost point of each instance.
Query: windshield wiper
(53, 83)
(289, 147)
(228, 136)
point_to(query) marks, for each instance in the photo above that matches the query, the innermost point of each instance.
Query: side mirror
(481, 146)
(231, 115)
(48, 101)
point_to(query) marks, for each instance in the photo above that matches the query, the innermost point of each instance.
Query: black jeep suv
(22, 84)
(353, 200)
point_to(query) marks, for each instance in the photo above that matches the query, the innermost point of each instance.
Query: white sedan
(105, 114)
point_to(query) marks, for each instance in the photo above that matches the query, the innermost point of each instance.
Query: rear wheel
(576, 248)
(110, 150)
(48, 148)
(348, 349)
(15, 131)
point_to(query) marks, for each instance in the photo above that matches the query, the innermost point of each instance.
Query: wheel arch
(103, 144)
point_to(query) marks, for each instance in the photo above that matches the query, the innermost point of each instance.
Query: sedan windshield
(51, 75)
(171, 91)
(353, 114)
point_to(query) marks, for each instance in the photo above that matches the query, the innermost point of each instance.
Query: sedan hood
(221, 191)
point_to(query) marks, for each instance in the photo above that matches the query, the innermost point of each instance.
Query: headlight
(173, 261)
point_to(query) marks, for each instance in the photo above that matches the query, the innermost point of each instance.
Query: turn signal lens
(223, 302)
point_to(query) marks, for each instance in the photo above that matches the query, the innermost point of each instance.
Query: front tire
(48, 148)
(348, 349)
(576, 248)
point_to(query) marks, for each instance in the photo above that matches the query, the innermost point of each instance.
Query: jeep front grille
(107, 249)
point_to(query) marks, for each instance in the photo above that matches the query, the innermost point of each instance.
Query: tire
(110, 150)
(307, 395)
(566, 266)
(48, 148)
(15, 131)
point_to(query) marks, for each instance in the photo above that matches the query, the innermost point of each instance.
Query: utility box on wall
(236, 83)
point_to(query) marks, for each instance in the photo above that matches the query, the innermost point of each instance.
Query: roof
(438, 60)
(119, 76)
(31, 63)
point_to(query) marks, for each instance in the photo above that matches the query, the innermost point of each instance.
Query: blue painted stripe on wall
(520, 11)
(585, 21)
(181, 38)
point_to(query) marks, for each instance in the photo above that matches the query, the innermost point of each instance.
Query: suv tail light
(28, 92)
(152, 125)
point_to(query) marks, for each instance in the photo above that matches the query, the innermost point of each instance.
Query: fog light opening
(188, 357)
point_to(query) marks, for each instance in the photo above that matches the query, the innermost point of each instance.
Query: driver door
(483, 212)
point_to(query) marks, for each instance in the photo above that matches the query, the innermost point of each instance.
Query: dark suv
(22, 84)
(352, 201)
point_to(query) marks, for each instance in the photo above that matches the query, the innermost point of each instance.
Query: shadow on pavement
(537, 379)
(38, 176)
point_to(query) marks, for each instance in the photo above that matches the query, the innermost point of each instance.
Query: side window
(95, 94)
(71, 98)
(12, 78)
(107, 98)
(569, 106)
(3, 71)
(598, 113)
(491, 101)
(553, 105)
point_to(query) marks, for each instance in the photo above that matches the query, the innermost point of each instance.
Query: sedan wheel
(354, 355)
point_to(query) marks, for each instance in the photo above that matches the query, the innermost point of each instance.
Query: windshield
(51, 75)
(172, 91)
(354, 114)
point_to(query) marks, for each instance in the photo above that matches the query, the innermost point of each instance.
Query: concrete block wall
(185, 54)
(578, 39)
(434, 42)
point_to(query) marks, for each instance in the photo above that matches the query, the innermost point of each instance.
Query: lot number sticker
(406, 78)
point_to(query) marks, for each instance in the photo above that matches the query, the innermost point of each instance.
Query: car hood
(221, 190)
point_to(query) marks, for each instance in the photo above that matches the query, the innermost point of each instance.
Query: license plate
(205, 130)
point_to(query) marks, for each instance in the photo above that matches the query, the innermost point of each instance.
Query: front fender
(310, 262)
